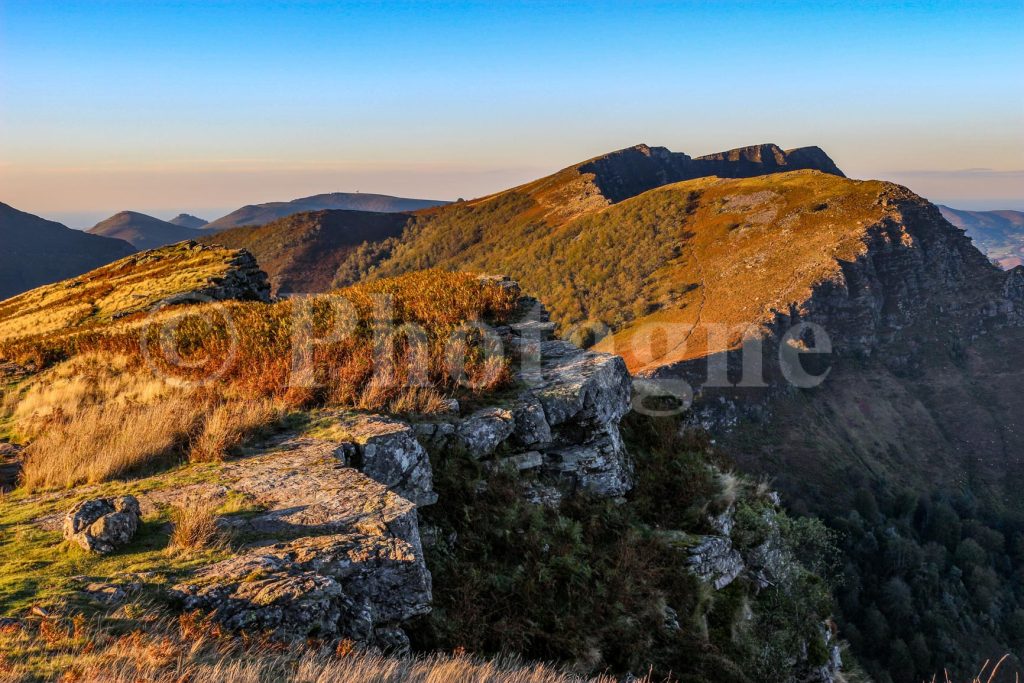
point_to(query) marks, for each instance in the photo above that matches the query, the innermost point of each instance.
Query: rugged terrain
(260, 214)
(142, 231)
(302, 252)
(335, 507)
(921, 396)
(539, 501)
(37, 251)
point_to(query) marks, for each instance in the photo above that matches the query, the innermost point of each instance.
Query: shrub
(195, 527)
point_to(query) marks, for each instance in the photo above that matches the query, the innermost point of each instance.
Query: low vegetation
(605, 585)
(115, 399)
(133, 644)
(130, 286)
(195, 527)
(707, 250)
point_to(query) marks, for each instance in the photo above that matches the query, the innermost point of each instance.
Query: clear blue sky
(159, 106)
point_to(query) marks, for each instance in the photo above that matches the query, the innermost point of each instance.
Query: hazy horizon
(164, 107)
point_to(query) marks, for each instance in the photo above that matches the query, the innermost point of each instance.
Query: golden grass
(160, 649)
(195, 527)
(130, 285)
(98, 443)
(986, 675)
(228, 425)
(107, 404)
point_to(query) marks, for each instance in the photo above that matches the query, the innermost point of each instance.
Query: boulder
(484, 430)
(102, 524)
(388, 451)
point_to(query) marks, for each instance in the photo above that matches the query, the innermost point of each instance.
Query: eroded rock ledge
(334, 552)
(336, 549)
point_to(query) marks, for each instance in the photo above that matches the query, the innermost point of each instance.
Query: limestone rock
(485, 430)
(102, 524)
(389, 452)
(351, 562)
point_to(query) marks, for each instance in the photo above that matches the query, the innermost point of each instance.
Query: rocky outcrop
(562, 424)
(101, 525)
(333, 552)
(336, 549)
(386, 450)
(628, 172)
(243, 280)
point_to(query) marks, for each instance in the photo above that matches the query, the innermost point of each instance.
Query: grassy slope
(127, 286)
(301, 253)
(737, 247)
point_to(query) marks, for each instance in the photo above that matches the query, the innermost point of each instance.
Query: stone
(522, 462)
(713, 560)
(483, 431)
(593, 387)
(333, 553)
(531, 425)
(389, 452)
(101, 525)
(597, 467)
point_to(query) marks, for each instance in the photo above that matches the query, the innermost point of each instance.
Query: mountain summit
(142, 231)
(627, 172)
(187, 220)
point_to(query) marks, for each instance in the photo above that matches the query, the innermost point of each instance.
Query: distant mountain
(187, 220)
(36, 251)
(261, 214)
(302, 252)
(142, 231)
(1000, 234)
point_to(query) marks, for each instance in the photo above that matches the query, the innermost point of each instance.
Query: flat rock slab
(331, 552)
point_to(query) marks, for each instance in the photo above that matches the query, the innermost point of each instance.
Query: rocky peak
(628, 172)
(763, 159)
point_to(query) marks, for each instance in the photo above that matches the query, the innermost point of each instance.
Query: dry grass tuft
(108, 402)
(98, 443)
(228, 425)
(192, 649)
(982, 677)
(195, 527)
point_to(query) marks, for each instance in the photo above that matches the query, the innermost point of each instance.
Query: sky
(164, 107)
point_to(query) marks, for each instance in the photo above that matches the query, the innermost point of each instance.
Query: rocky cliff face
(925, 351)
(628, 172)
(563, 422)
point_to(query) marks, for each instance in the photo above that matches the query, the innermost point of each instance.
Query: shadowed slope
(301, 253)
(36, 251)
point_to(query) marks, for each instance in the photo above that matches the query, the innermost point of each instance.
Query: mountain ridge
(260, 214)
(37, 251)
(143, 231)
